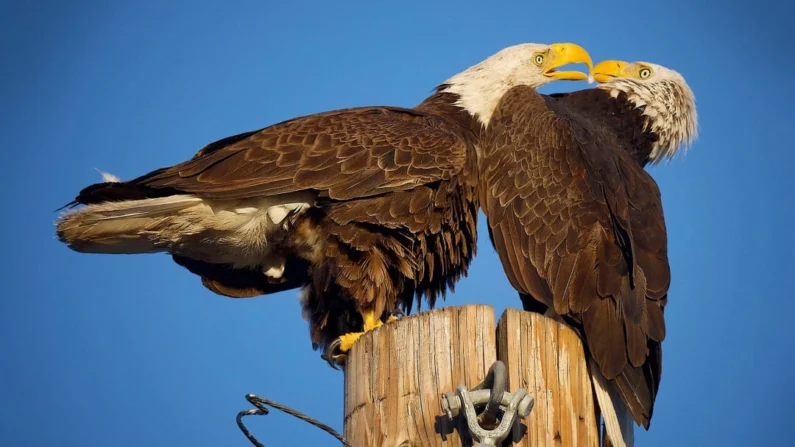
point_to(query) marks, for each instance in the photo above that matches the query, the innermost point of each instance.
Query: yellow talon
(370, 322)
(337, 352)
(347, 340)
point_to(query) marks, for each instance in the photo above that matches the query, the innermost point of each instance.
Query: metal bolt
(451, 404)
(525, 406)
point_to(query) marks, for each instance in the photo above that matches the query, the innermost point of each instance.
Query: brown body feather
(392, 215)
(579, 228)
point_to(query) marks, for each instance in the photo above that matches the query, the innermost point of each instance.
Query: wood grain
(546, 358)
(396, 374)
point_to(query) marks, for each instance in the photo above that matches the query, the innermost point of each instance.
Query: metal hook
(496, 430)
(496, 380)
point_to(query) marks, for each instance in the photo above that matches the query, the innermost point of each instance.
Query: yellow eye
(644, 73)
(538, 59)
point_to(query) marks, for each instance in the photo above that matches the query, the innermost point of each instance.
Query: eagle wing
(617, 113)
(346, 154)
(579, 226)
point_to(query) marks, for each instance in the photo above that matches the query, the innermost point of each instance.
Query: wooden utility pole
(545, 357)
(395, 377)
(396, 374)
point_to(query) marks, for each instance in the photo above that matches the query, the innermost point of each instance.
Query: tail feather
(120, 227)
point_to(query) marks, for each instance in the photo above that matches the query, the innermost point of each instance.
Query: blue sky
(132, 350)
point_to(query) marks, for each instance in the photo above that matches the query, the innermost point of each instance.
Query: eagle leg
(337, 351)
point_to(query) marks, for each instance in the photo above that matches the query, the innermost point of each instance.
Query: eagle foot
(337, 352)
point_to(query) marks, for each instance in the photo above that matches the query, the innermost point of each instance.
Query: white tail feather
(617, 418)
(119, 227)
(235, 232)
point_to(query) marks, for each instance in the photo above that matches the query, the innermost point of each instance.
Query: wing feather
(346, 154)
(571, 208)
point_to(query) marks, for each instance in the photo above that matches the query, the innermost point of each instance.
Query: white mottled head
(481, 87)
(667, 101)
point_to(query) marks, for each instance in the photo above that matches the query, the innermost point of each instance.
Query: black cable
(261, 410)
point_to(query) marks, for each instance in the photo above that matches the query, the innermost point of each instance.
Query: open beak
(606, 70)
(565, 54)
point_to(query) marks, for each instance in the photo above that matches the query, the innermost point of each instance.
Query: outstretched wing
(579, 226)
(343, 154)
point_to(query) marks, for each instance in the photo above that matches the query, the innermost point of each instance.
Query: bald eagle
(365, 209)
(578, 223)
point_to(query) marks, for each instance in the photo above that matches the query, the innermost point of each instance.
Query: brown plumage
(618, 114)
(390, 215)
(578, 223)
(579, 227)
(367, 209)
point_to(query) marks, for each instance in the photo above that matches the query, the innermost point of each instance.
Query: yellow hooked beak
(606, 70)
(564, 54)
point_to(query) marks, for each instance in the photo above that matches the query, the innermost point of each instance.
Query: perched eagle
(366, 208)
(578, 223)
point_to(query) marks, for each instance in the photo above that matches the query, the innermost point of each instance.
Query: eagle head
(481, 87)
(665, 98)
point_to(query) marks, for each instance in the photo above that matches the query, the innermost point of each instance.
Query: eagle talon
(338, 361)
(333, 356)
(337, 352)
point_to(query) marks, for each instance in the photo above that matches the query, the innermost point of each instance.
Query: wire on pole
(261, 410)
